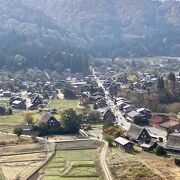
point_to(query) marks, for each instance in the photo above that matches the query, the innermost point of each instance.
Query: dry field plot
(143, 166)
(22, 160)
(21, 148)
(11, 139)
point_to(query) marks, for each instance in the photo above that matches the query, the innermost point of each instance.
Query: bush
(177, 162)
(160, 151)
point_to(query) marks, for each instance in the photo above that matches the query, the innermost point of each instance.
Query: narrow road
(103, 162)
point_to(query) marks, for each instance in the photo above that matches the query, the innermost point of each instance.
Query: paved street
(120, 119)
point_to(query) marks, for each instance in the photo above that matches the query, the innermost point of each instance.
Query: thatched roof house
(138, 134)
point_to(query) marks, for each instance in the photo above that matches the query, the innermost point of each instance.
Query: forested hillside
(48, 33)
(29, 37)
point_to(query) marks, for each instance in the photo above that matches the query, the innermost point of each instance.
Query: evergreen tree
(160, 83)
(172, 77)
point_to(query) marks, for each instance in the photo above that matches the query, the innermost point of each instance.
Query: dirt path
(103, 163)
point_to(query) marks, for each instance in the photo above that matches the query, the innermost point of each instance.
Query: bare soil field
(143, 165)
(21, 148)
(62, 138)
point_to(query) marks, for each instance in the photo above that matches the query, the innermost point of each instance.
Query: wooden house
(49, 120)
(113, 89)
(19, 104)
(108, 115)
(101, 103)
(138, 134)
(124, 144)
(36, 101)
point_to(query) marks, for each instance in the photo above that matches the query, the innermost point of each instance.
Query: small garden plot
(57, 160)
(63, 104)
(55, 165)
(78, 155)
(82, 171)
(78, 163)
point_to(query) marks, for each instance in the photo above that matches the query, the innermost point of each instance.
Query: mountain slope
(119, 27)
(29, 32)
(47, 33)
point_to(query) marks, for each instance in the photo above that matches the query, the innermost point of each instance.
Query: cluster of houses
(131, 113)
(137, 135)
(165, 122)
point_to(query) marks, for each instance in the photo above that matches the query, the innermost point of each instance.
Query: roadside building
(138, 134)
(108, 115)
(173, 142)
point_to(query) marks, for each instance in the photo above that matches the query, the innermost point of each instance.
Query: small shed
(148, 147)
(124, 144)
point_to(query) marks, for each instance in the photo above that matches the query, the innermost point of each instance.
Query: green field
(80, 163)
(4, 100)
(8, 123)
(78, 155)
(63, 104)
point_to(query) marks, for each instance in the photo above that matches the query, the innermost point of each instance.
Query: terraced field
(72, 164)
(21, 160)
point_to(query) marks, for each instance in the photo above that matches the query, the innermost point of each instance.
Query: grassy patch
(8, 123)
(77, 155)
(1, 174)
(68, 178)
(141, 165)
(82, 171)
(63, 104)
(4, 100)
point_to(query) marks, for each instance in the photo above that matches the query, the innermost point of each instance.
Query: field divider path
(103, 162)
